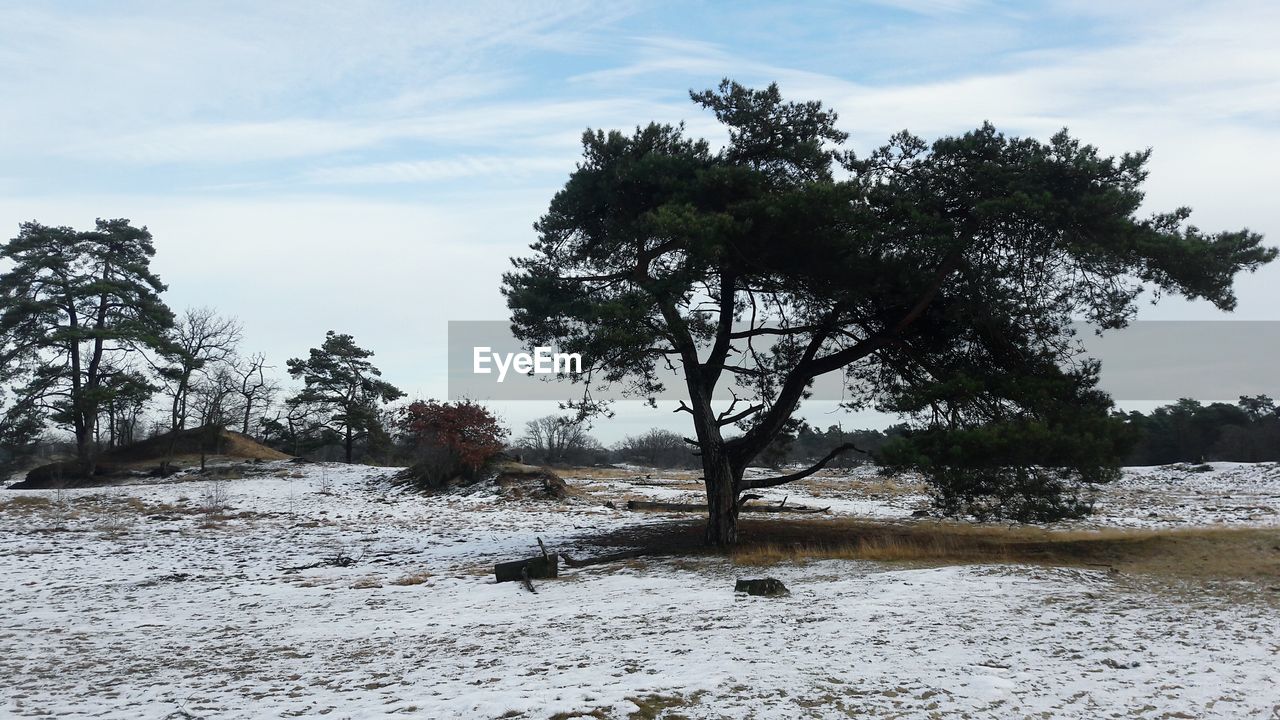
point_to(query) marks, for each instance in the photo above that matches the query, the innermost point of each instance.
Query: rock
(920, 513)
(765, 587)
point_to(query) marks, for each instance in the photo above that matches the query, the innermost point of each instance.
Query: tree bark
(722, 498)
(85, 455)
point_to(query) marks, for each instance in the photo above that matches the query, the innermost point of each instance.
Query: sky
(371, 167)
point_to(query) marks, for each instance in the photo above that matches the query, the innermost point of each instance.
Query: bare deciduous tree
(254, 388)
(200, 339)
(209, 400)
(554, 438)
(657, 448)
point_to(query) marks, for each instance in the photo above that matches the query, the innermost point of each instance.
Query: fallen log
(697, 508)
(600, 559)
(536, 567)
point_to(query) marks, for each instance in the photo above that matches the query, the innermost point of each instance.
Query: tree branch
(731, 419)
(754, 483)
(724, 327)
(756, 332)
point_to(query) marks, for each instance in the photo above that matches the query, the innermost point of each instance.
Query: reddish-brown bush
(452, 440)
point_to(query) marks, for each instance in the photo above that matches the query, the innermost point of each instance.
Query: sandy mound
(520, 482)
(147, 455)
(511, 480)
(214, 441)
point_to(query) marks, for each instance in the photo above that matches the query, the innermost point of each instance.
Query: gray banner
(1148, 361)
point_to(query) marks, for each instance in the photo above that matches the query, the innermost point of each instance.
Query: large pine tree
(941, 278)
(71, 305)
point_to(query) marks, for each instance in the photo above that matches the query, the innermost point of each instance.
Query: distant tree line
(805, 444)
(564, 440)
(1189, 431)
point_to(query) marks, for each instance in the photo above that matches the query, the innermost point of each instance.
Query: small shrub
(214, 498)
(453, 441)
(1021, 494)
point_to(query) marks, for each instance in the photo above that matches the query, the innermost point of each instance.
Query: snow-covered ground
(1153, 497)
(132, 602)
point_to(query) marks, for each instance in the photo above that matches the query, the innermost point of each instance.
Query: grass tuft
(1225, 553)
(412, 579)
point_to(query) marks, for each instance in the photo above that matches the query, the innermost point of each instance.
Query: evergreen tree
(941, 278)
(343, 387)
(70, 305)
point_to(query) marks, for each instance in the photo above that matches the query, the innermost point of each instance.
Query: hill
(148, 455)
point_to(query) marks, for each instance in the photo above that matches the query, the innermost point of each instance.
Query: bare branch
(754, 483)
(797, 330)
(722, 421)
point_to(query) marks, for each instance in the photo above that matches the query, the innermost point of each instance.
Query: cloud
(228, 142)
(443, 169)
(160, 77)
(932, 7)
(538, 123)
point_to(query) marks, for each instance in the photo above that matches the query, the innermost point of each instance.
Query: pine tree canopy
(941, 278)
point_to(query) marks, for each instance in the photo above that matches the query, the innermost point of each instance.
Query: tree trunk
(348, 444)
(722, 498)
(84, 452)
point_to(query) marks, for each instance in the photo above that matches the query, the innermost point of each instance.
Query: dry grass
(413, 578)
(74, 507)
(873, 486)
(1201, 552)
(597, 713)
(19, 503)
(1220, 553)
(229, 444)
(652, 707)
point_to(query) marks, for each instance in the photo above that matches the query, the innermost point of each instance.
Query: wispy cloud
(495, 124)
(218, 143)
(85, 78)
(437, 170)
(933, 7)
(368, 167)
